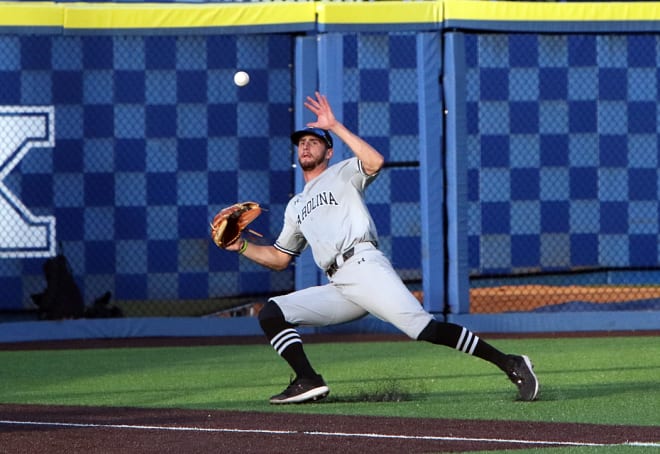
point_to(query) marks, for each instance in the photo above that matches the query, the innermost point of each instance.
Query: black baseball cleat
(521, 373)
(302, 390)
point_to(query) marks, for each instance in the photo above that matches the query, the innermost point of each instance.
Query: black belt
(332, 269)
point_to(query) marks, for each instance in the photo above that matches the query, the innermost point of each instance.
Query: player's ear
(328, 153)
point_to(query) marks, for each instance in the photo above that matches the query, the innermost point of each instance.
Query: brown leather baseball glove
(230, 222)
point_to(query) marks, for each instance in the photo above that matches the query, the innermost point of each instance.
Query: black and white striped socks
(467, 342)
(463, 340)
(284, 339)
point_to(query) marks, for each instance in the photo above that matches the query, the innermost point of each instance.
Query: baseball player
(331, 217)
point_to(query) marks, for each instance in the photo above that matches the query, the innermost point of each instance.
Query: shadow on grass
(383, 391)
(555, 393)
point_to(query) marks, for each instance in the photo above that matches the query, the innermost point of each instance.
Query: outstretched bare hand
(321, 108)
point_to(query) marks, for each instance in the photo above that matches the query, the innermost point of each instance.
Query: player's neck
(309, 175)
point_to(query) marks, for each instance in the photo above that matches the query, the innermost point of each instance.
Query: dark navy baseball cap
(318, 132)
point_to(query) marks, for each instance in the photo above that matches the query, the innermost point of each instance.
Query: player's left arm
(265, 255)
(372, 161)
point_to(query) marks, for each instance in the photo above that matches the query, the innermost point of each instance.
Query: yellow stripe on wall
(542, 11)
(379, 12)
(145, 16)
(140, 16)
(33, 14)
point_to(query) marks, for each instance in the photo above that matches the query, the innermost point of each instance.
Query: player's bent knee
(271, 319)
(270, 311)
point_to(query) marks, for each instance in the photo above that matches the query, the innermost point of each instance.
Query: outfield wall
(534, 160)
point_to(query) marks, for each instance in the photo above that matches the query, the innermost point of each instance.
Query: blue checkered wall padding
(562, 135)
(153, 137)
(380, 103)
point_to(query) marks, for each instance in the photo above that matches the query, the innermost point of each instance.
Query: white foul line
(328, 434)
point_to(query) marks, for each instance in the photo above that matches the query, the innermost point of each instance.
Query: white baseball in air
(241, 78)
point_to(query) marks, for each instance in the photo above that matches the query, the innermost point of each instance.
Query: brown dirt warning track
(56, 429)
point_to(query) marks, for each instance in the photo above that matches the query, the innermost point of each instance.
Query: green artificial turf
(608, 380)
(616, 449)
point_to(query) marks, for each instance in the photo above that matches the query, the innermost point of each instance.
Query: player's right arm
(372, 160)
(264, 255)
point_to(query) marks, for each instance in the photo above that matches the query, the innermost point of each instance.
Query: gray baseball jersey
(330, 216)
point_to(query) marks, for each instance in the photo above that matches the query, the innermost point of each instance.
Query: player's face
(312, 152)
